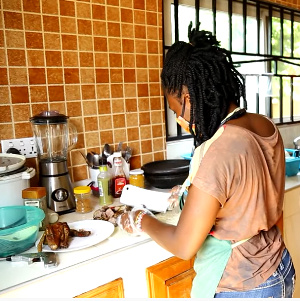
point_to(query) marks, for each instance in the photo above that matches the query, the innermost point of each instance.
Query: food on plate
(57, 236)
(110, 214)
(79, 233)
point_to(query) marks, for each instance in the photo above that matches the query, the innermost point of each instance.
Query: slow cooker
(14, 177)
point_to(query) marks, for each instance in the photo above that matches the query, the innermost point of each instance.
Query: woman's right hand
(174, 197)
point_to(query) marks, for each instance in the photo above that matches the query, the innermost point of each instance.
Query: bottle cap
(82, 189)
(103, 168)
(136, 172)
(117, 154)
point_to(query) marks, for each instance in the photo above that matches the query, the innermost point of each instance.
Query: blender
(54, 137)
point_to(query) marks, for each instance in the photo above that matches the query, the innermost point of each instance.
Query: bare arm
(196, 220)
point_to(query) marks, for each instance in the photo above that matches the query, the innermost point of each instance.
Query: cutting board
(152, 200)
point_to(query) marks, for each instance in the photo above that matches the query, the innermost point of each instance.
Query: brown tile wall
(97, 61)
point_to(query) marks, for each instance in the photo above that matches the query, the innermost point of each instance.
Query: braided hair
(212, 81)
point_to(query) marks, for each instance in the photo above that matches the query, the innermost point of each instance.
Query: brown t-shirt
(246, 173)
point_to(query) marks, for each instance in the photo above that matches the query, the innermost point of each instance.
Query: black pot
(166, 173)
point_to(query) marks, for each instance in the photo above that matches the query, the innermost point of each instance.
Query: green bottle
(104, 184)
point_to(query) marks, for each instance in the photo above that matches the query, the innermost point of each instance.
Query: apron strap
(239, 242)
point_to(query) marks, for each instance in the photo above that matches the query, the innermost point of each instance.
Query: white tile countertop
(120, 255)
(292, 182)
(18, 279)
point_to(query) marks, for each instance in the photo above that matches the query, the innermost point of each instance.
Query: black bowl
(164, 182)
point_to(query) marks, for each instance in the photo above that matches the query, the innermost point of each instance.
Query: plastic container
(119, 178)
(104, 186)
(83, 199)
(19, 227)
(36, 197)
(136, 178)
(292, 166)
(293, 152)
(11, 186)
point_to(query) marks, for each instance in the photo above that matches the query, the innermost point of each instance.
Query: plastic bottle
(104, 185)
(119, 179)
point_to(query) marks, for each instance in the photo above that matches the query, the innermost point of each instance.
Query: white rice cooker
(14, 177)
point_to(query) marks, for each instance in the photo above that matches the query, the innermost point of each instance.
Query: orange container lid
(33, 192)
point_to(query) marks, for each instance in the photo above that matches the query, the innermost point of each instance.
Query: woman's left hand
(124, 221)
(130, 221)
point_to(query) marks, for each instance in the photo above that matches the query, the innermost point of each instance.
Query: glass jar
(83, 199)
(136, 178)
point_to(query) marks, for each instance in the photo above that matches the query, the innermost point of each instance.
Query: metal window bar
(273, 10)
(230, 23)
(281, 32)
(245, 25)
(292, 99)
(292, 33)
(258, 26)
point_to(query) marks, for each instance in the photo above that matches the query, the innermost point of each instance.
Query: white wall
(179, 147)
(289, 133)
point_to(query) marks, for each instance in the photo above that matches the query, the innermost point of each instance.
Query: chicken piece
(57, 235)
(79, 233)
(109, 213)
(64, 239)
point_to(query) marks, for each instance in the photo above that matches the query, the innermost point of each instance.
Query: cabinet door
(291, 226)
(171, 278)
(113, 289)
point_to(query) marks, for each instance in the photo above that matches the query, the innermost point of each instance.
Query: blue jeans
(280, 285)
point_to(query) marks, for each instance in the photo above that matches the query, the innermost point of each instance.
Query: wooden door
(113, 289)
(171, 278)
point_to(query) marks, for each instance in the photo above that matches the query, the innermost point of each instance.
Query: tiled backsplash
(97, 61)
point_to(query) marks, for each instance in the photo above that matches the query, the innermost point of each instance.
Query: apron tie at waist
(239, 242)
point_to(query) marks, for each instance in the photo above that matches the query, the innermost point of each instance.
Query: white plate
(100, 230)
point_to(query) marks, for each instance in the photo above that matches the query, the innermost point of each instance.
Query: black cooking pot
(166, 173)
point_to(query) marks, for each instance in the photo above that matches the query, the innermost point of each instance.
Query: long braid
(212, 81)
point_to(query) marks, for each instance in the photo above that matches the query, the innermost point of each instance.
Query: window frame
(259, 10)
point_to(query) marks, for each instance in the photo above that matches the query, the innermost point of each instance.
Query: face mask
(184, 123)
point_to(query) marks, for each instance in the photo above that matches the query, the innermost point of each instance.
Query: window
(264, 39)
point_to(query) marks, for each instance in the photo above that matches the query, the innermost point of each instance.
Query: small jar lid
(33, 192)
(82, 189)
(136, 172)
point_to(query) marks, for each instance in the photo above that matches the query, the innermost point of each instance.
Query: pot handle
(28, 174)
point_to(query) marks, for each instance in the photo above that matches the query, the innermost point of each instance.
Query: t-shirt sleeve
(216, 172)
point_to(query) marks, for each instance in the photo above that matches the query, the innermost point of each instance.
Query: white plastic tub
(11, 187)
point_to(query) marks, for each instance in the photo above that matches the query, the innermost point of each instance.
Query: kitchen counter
(120, 255)
(116, 256)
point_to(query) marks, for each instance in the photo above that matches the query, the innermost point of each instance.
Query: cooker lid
(11, 162)
(49, 117)
(166, 167)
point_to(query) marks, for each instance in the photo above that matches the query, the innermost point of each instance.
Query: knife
(49, 258)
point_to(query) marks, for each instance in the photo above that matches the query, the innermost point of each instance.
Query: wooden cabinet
(113, 289)
(291, 226)
(171, 278)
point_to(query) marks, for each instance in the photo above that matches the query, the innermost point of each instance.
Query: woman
(233, 197)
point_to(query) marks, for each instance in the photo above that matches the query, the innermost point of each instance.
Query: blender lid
(49, 117)
(10, 162)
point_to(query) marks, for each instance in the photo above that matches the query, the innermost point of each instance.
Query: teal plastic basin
(19, 227)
